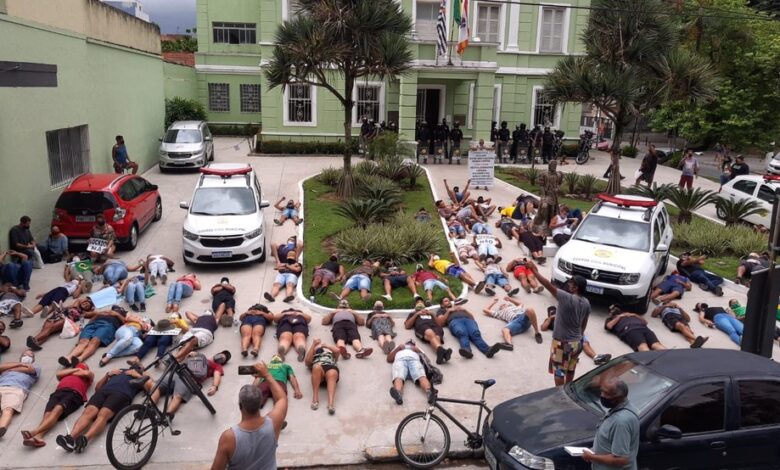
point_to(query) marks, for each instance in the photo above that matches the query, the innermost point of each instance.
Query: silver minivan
(186, 144)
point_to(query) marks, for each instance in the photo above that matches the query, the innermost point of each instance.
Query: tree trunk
(346, 185)
(613, 186)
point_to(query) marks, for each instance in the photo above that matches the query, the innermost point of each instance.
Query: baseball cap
(419, 267)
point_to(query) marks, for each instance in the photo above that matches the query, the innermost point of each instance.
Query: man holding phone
(251, 444)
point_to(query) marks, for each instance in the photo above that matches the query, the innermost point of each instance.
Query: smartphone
(246, 370)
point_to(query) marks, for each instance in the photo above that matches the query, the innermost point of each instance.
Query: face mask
(26, 360)
(291, 261)
(608, 403)
(101, 223)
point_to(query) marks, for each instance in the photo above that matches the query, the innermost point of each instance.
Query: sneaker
(460, 301)
(396, 396)
(602, 359)
(506, 346)
(699, 342)
(289, 299)
(164, 279)
(268, 297)
(465, 353)
(344, 353)
(143, 306)
(134, 307)
(478, 288)
(718, 291)
(32, 344)
(447, 354)
(388, 297)
(527, 289)
(81, 444)
(64, 361)
(513, 292)
(490, 291)
(390, 346)
(66, 442)
(703, 286)
(440, 355)
(538, 338)
(364, 353)
(539, 289)
(16, 324)
(492, 350)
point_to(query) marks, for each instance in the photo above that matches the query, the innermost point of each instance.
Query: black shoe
(506, 346)
(134, 307)
(312, 291)
(289, 298)
(32, 344)
(703, 286)
(64, 361)
(460, 301)
(143, 306)
(81, 444)
(538, 338)
(74, 361)
(513, 292)
(490, 291)
(478, 288)
(439, 355)
(268, 297)
(15, 324)
(698, 342)
(492, 350)
(447, 354)
(396, 396)
(718, 291)
(66, 442)
(465, 353)
(602, 359)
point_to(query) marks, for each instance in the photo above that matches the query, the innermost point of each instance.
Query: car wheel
(641, 305)
(211, 158)
(720, 212)
(261, 259)
(186, 261)
(132, 239)
(157, 210)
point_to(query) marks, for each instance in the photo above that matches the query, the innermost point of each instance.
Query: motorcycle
(583, 154)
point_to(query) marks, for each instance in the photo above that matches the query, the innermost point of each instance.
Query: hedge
(316, 147)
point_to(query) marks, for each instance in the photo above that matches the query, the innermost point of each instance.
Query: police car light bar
(226, 173)
(625, 202)
(771, 178)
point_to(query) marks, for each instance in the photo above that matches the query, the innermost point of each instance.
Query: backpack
(198, 365)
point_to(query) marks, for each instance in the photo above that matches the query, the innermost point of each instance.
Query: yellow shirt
(507, 211)
(442, 265)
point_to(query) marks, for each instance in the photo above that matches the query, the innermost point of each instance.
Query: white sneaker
(388, 297)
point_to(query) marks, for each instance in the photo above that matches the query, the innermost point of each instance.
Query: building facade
(131, 7)
(75, 73)
(499, 78)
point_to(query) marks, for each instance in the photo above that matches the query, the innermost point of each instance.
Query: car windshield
(645, 387)
(223, 201)
(182, 136)
(620, 233)
(85, 202)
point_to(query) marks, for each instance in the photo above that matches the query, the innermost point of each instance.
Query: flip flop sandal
(32, 442)
(315, 405)
(344, 353)
(26, 435)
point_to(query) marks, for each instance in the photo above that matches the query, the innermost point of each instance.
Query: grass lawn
(724, 266)
(322, 223)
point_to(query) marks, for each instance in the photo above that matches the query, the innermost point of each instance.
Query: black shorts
(671, 320)
(254, 320)
(68, 399)
(287, 327)
(346, 331)
(223, 297)
(398, 281)
(420, 332)
(637, 336)
(58, 294)
(110, 399)
(326, 368)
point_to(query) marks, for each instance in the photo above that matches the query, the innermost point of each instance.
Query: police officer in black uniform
(503, 142)
(456, 136)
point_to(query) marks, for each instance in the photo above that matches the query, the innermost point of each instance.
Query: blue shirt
(618, 434)
(58, 245)
(121, 154)
(20, 380)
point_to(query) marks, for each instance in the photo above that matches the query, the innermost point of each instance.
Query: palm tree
(734, 212)
(333, 43)
(687, 201)
(656, 192)
(633, 63)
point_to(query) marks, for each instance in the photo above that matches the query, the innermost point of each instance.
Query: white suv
(620, 247)
(224, 222)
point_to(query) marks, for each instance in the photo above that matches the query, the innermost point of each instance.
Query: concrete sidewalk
(366, 417)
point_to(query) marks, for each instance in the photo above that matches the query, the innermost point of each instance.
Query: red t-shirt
(422, 276)
(213, 367)
(79, 385)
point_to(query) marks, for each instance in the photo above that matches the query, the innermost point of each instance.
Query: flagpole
(452, 30)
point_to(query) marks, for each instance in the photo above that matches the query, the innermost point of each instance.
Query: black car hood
(543, 420)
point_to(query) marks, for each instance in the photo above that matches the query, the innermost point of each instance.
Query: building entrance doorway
(429, 105)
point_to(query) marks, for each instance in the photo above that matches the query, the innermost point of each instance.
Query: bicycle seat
(139, 382)
(486, 383)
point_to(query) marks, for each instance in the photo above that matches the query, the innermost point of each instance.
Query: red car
(128, 202)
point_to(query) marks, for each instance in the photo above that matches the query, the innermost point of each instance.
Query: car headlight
(163, 153)
(564, 266)
(254, 234)
(628, 278)
(119, 214)
(530, 460)
(189, 235)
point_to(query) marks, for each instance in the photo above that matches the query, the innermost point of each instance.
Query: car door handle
(718, 445)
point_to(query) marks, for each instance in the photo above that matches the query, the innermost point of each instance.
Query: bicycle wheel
(132, 437)
(196, 390)
(422, 443)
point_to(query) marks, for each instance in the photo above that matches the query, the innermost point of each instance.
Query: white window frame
(470, 114)
(357, 120)
(430, 34)
(286, 5)
(497, 91)
(442, 96)
(240, 27)
(474, 12)
(286, 108)
(566, 24)
(557, 123)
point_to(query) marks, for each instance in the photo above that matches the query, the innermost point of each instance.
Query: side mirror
(264, 204)
(667, 431)
(207, 139)
(184, 204)
(662, 247)
(159, 139)
(152, 187)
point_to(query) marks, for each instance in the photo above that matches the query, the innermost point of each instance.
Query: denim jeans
(700, 276)
(729, 325)
(162, 342)
(114, 273)
(18, 274)
(466, 329)
(135, 292)
(177, 290)
(127, 342)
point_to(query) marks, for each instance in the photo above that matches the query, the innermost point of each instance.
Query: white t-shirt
(71, 286)
(508, 314)
(561, 229)
(406, 354)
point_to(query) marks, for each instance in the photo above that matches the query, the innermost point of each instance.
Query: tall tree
(332, 44)
(633, 63)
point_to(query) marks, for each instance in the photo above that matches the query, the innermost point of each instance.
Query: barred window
(544, 109)
(368, 102)
(299, 106)
(68, 151)
(234, 33)
(250, 98)
(219, 97)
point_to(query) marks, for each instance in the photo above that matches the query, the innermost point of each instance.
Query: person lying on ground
(162, 337)
(693, 268)
(430, 280)
(292, 329)
(202, 369)
(253, 324)
(752, 262)
(467, 251)
(182, 288)
(128, 338)
(484, 206)
(487, 245)
(279, 252)
(11, 298)
(289, 211)
(407, 365)
(281, 373)
(381, 325)
(672, 287)
(519, 269)
(287, 277)
(157, 267)
(394, 277)
(518, 320)
(722, 319)
(549, 323)
(428, 330)
(223, 301)
(533, 242)
(508, 227)
(200, 335)
(134, 291)
(632, 329)
(455, 227)
(100, 331)
(677, 320)
(321, 359)
(325, 274)
(740, 311)
(16, 380)
(444, 210)
(463, 326)
(422, 215)
(345, 323)
(359, 279)
(5, 341)
(495, 276)
(451, 269)
(55, 321)
(456, 195)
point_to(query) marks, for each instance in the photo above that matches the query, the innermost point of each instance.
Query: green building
(73, 75)
(499, 78)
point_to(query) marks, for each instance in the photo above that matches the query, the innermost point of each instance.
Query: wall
(113, 90)
(180, 80)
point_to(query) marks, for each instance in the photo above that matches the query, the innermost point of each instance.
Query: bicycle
(423, 439)
(132, 435)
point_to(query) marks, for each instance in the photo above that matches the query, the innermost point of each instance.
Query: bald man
(617, 439)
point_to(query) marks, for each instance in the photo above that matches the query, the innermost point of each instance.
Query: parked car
(754, 188)
(772, 161)
(698, 409)
(224, 222)
(620, 247)
(186, 144)
(129, 203)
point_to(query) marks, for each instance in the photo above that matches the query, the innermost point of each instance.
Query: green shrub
(383, 146)
(297, 148)
(379, 188)
(392, 167)
(532, 174)
(571, 179)
(688, 201)
(656, 192)
(376, 181)
(366, 167)
(588, 185)
(182, 109)
(403, 240)
(717, 240)
(734, 212)
(570, 150)
(362, 212)
(241, 130)
(330, 176)
(414, 172)
(745, 240)
(629, 151)
(674, 160)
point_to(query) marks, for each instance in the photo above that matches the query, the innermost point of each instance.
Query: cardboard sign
(97, 245)
(481, 166)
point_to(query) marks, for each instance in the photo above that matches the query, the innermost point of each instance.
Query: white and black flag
(441, 28)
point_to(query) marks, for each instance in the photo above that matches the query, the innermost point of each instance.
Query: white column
(514, 27)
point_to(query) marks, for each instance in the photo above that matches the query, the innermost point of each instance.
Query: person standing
(739, 167)
(648, 166)
(251, 444)
(617, 440)
(571, 320)
(121, 159)
(20, 237)
(690, 169)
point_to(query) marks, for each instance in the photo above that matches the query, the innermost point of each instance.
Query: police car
(619, 248)
(224, 222)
